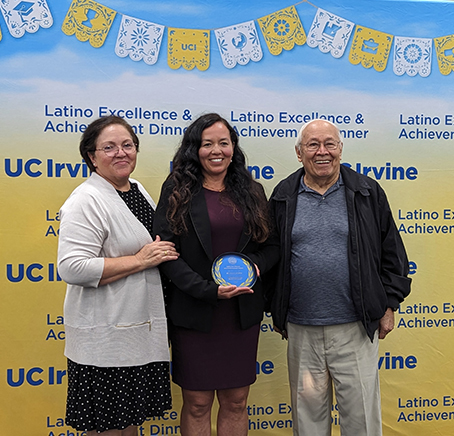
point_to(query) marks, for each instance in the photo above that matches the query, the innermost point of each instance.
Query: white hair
(299, 137)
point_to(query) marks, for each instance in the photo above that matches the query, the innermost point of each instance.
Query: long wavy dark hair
(245, 193)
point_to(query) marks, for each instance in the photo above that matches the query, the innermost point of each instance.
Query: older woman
(116, 336)
(210, 205)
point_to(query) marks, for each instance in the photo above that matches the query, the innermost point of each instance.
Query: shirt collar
(304, 188)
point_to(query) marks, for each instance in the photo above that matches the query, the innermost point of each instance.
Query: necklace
(211, 188)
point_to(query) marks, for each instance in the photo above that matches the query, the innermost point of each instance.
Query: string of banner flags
(238, 44)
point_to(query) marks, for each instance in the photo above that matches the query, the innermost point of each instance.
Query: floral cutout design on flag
(139, 39)
(330, 33)
(89, 21)
(239, 44)
(188, 48)
(282, 30)
(370, 48)
(24, 16)
(412, 56)
(444, 47)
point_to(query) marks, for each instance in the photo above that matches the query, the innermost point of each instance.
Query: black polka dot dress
(104, 399)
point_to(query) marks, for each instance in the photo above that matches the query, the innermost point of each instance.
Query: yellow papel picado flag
(444, 47)
(89, 21)
(282, 30)
(370, 48)
(188, 48)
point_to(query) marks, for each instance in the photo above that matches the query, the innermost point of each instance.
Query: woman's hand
(226, 292)
(156, 252)
(148, 256)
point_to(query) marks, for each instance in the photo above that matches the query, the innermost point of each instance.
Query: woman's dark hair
(88, 140)
(246, 194)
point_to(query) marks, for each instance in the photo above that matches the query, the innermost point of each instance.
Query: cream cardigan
(122, 323)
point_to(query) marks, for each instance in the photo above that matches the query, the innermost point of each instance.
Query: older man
(342, 274)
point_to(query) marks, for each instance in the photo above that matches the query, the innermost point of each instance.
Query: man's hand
(386, 324)
(283, 333)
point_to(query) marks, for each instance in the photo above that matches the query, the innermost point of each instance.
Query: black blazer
(191, 293)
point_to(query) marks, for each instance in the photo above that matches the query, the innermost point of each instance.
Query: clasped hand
(157, 252)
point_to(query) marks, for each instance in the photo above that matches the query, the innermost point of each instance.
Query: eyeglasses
(329, 145)
(112, 150)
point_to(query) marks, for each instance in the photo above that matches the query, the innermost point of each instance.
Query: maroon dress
(225, 357)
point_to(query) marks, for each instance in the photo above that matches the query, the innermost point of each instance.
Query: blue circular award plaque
(234, 269)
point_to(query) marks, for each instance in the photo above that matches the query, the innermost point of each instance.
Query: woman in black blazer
(210, 205)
